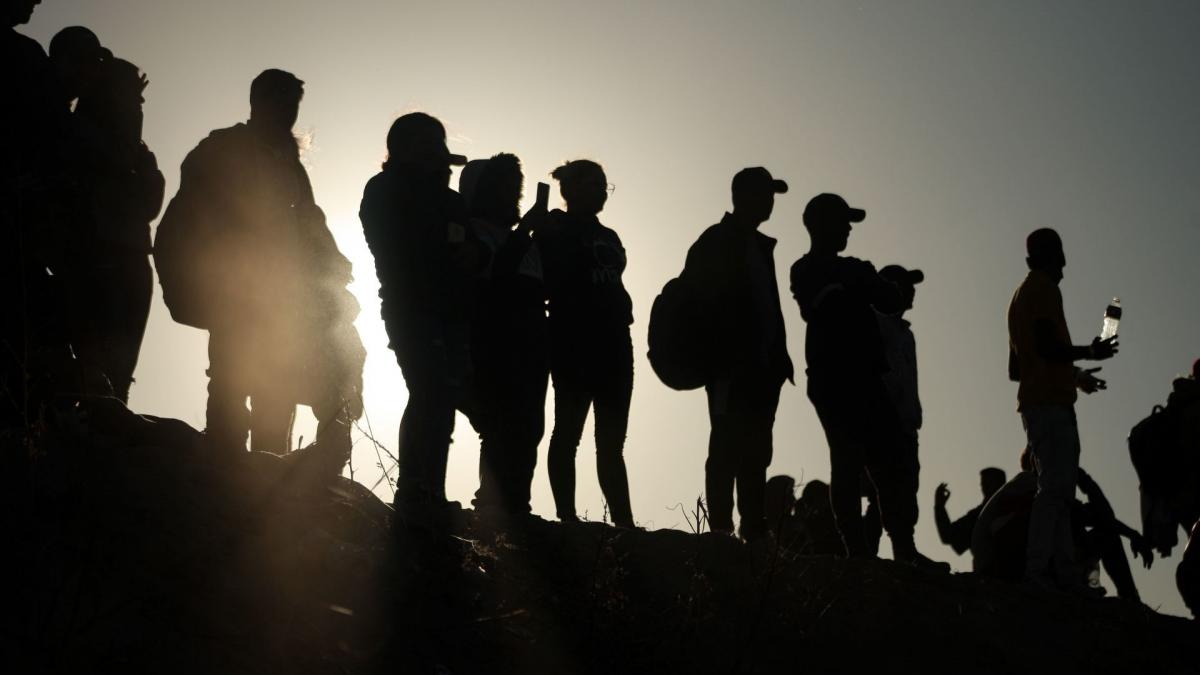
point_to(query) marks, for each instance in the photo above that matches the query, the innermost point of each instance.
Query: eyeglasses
(610, 187)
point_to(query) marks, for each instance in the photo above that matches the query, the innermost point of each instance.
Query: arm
(1050, 348)
(940, 516)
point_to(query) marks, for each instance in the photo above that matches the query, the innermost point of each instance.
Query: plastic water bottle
(1112, 319)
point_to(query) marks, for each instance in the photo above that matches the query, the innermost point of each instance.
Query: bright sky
(958, 126)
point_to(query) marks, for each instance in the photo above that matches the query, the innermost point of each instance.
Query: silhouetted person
(1000, 539)
(779, 508)
(79, 61)
(900, 347)
(415, 226)
(815, 511)
(1041, 359)
(957, 534)
(33, 342)
(838, 298)
(1165, 449)
(509, 340)
(731, 268)
(591, 352)
(109, 277)
(244, 252)
(1187, 574)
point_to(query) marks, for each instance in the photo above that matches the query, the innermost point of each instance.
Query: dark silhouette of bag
(677, 345)
(181, 258)
(1153, 449)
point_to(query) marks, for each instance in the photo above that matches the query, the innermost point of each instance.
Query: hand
(1141, 548)
(1104, 349)
(1087, 382)
(533, 219)
(941, 495)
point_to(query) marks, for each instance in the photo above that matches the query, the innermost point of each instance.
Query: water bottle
(1112, 319)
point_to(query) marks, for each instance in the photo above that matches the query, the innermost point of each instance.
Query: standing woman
(591, 355)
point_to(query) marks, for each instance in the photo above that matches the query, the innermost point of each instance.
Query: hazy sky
(958, 126)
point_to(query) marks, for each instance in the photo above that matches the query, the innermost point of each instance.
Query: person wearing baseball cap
(900, 347)
(1042, 360)
(731, 268)
(838, 297)
(425, 259)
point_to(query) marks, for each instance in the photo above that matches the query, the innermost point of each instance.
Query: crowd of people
(485, 307)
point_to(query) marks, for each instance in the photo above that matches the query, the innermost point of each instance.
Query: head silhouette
(78, 59)
(780, 498)
(17, 12)
(583, 186)
(416, 143)
(827, 217)
(814, 498)
(495, 195)
(116, 102)
(754, 191)
(906, 280)
(275, 100)
(1044, 252)
(991, 479)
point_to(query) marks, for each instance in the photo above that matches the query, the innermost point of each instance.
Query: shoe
(919, 561)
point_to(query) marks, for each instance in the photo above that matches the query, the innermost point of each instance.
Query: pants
(435, 360)
(237, 371)
(861, 428)
(110, 304)
(507, 407)
(1053, 439)
(908, 472)
(607, 386)
(740, 446)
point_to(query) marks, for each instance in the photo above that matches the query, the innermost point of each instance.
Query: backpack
(1153, 450)
(180, 258)
(677, 352)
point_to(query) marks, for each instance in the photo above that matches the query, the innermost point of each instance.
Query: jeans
(740, 447)
(861, 429)
(607, 390)
(1053, 438)
(434, 357)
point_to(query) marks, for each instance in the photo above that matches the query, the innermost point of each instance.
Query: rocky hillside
(136, 551)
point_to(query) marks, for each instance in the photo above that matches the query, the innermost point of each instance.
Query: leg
(228, 419)
(128, 296)
(761, 399)
(571, 403)
(433, 384)
(612, 424)
(271, 418)
(720, 469)
(1054, 442)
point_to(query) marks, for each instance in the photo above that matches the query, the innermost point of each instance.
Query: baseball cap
(827, 207)
(899, 275)
(757, 179)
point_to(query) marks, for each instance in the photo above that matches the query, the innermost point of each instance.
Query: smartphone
(543, 195)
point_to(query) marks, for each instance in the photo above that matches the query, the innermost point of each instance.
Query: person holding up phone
(591, 353)
(507, 400)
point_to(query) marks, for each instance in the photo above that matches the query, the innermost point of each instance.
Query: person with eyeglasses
(591, 353)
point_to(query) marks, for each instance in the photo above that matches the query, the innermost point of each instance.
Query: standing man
(1041, 359)
(415, 226)
(838, 297)
(243, 251)
(731, 269)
